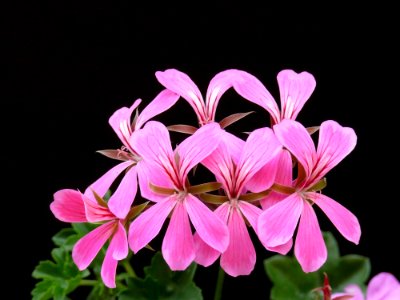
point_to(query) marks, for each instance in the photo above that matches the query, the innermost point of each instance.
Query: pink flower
(122, 199)
(181, 84)
(167, 172)
(71, 206)
(383, 286)
(240, 256)
(276, 225)
(295, 89)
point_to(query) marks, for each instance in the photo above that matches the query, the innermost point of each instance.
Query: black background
(70, 66)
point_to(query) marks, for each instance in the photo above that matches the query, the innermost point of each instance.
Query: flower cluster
(271, 181)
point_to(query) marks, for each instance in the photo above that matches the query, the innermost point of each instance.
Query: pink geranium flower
(276, 225)
(71, 206)
(240, 256)
(295, 89)
(121, 200)
(181, 84)
(166, 172)
(383, 286)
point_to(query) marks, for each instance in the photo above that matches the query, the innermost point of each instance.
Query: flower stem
(220, 282)
(129, 269)
(88, 282)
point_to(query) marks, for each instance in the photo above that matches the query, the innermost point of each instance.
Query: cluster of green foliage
(59, 277)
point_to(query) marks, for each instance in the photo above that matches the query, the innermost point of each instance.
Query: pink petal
(347, 296)
(68, 206)
(251, 212)
(181, 84)
(261, 147)
(298, 141)
(220, 163)
(178, 246)
(148, 224)
(271, 199)
(285, 167)
(117, 250)
(153, 144)
(309, 249)
(276, 225)
(341, 217)
(102, 185)
(205, 255)
(210, 227)
(95, 212)
(122, 199)
(264, 178)
(86, 249)
(282, 249)
(154, 174)
(250, 88)
(120, 121)
(355, 291)
(295, 89)
(197, 147)
(335, 143)
(381, 286)
(394, 294)
(217, 87)
(283, 177)
(223, 211)
(240, 256)
(109, 269)
(164, 100)
(119, 243)
(235, 145)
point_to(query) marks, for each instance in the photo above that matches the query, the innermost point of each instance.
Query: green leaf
(290, 282)
(332, 247)
(62, 236)
(162, 283)
(67, 237)
(345, 270)
(160, 271)
(101, 292)
(333, 252)
(97, 262)
(43, 290)
(351, 269)
(59, 277)
(141, 289)
(83, 228)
